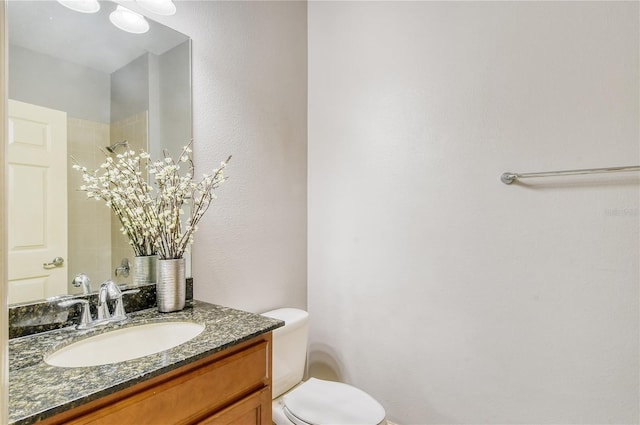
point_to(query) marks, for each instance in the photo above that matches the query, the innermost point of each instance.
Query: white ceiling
(85, 39)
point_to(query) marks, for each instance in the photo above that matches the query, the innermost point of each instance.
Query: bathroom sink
(124, 344)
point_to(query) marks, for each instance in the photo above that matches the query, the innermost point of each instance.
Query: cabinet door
(254, 409)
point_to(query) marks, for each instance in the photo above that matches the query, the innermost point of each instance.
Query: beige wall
(449, 296)
(89, 220)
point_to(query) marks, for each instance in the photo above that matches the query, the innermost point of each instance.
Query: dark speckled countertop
(38, 390)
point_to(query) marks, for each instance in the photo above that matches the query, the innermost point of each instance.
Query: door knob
(57, 262)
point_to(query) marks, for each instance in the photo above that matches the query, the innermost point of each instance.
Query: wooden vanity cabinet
(229, 387)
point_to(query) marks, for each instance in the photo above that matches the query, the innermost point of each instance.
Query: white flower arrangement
(151, 217)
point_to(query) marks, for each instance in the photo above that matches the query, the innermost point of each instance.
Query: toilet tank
(289, 348)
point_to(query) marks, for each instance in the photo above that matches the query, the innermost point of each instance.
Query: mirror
(77, 78)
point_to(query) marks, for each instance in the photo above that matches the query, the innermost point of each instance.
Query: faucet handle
(113, 290)
(119, 313)
(85, 313)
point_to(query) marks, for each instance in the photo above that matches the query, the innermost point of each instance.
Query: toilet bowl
(314, 401)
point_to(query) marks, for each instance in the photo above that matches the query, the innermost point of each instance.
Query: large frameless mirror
(78, 88)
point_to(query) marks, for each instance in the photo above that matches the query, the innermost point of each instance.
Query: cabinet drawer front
(252, 410)
(192, 395)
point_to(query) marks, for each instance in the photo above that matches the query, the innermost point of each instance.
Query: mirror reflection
(80, 87)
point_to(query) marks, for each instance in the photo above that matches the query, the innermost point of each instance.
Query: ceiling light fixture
(159, 7)
(129, 21)
(82, 6)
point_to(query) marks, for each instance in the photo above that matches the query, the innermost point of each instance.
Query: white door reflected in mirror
(37, 202)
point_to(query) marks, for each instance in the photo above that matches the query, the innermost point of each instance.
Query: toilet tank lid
(292, 317)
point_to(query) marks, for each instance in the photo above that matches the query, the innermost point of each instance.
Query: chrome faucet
(109, 291)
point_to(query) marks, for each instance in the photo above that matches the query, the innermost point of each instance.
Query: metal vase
(144, 269)
(171, 285)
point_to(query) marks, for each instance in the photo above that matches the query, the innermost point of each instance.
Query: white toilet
(314, 402)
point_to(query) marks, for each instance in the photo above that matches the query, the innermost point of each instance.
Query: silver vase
(171, 285)
(144, 269)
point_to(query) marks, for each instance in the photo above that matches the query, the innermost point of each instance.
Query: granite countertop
(38, 390)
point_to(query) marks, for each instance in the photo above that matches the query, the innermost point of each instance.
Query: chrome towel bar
(509, 177)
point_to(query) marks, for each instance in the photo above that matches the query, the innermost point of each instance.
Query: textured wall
(449, 296)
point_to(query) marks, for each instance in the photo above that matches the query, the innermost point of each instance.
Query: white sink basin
(125, 344)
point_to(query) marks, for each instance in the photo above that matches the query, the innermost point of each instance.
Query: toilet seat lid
(327, 402)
